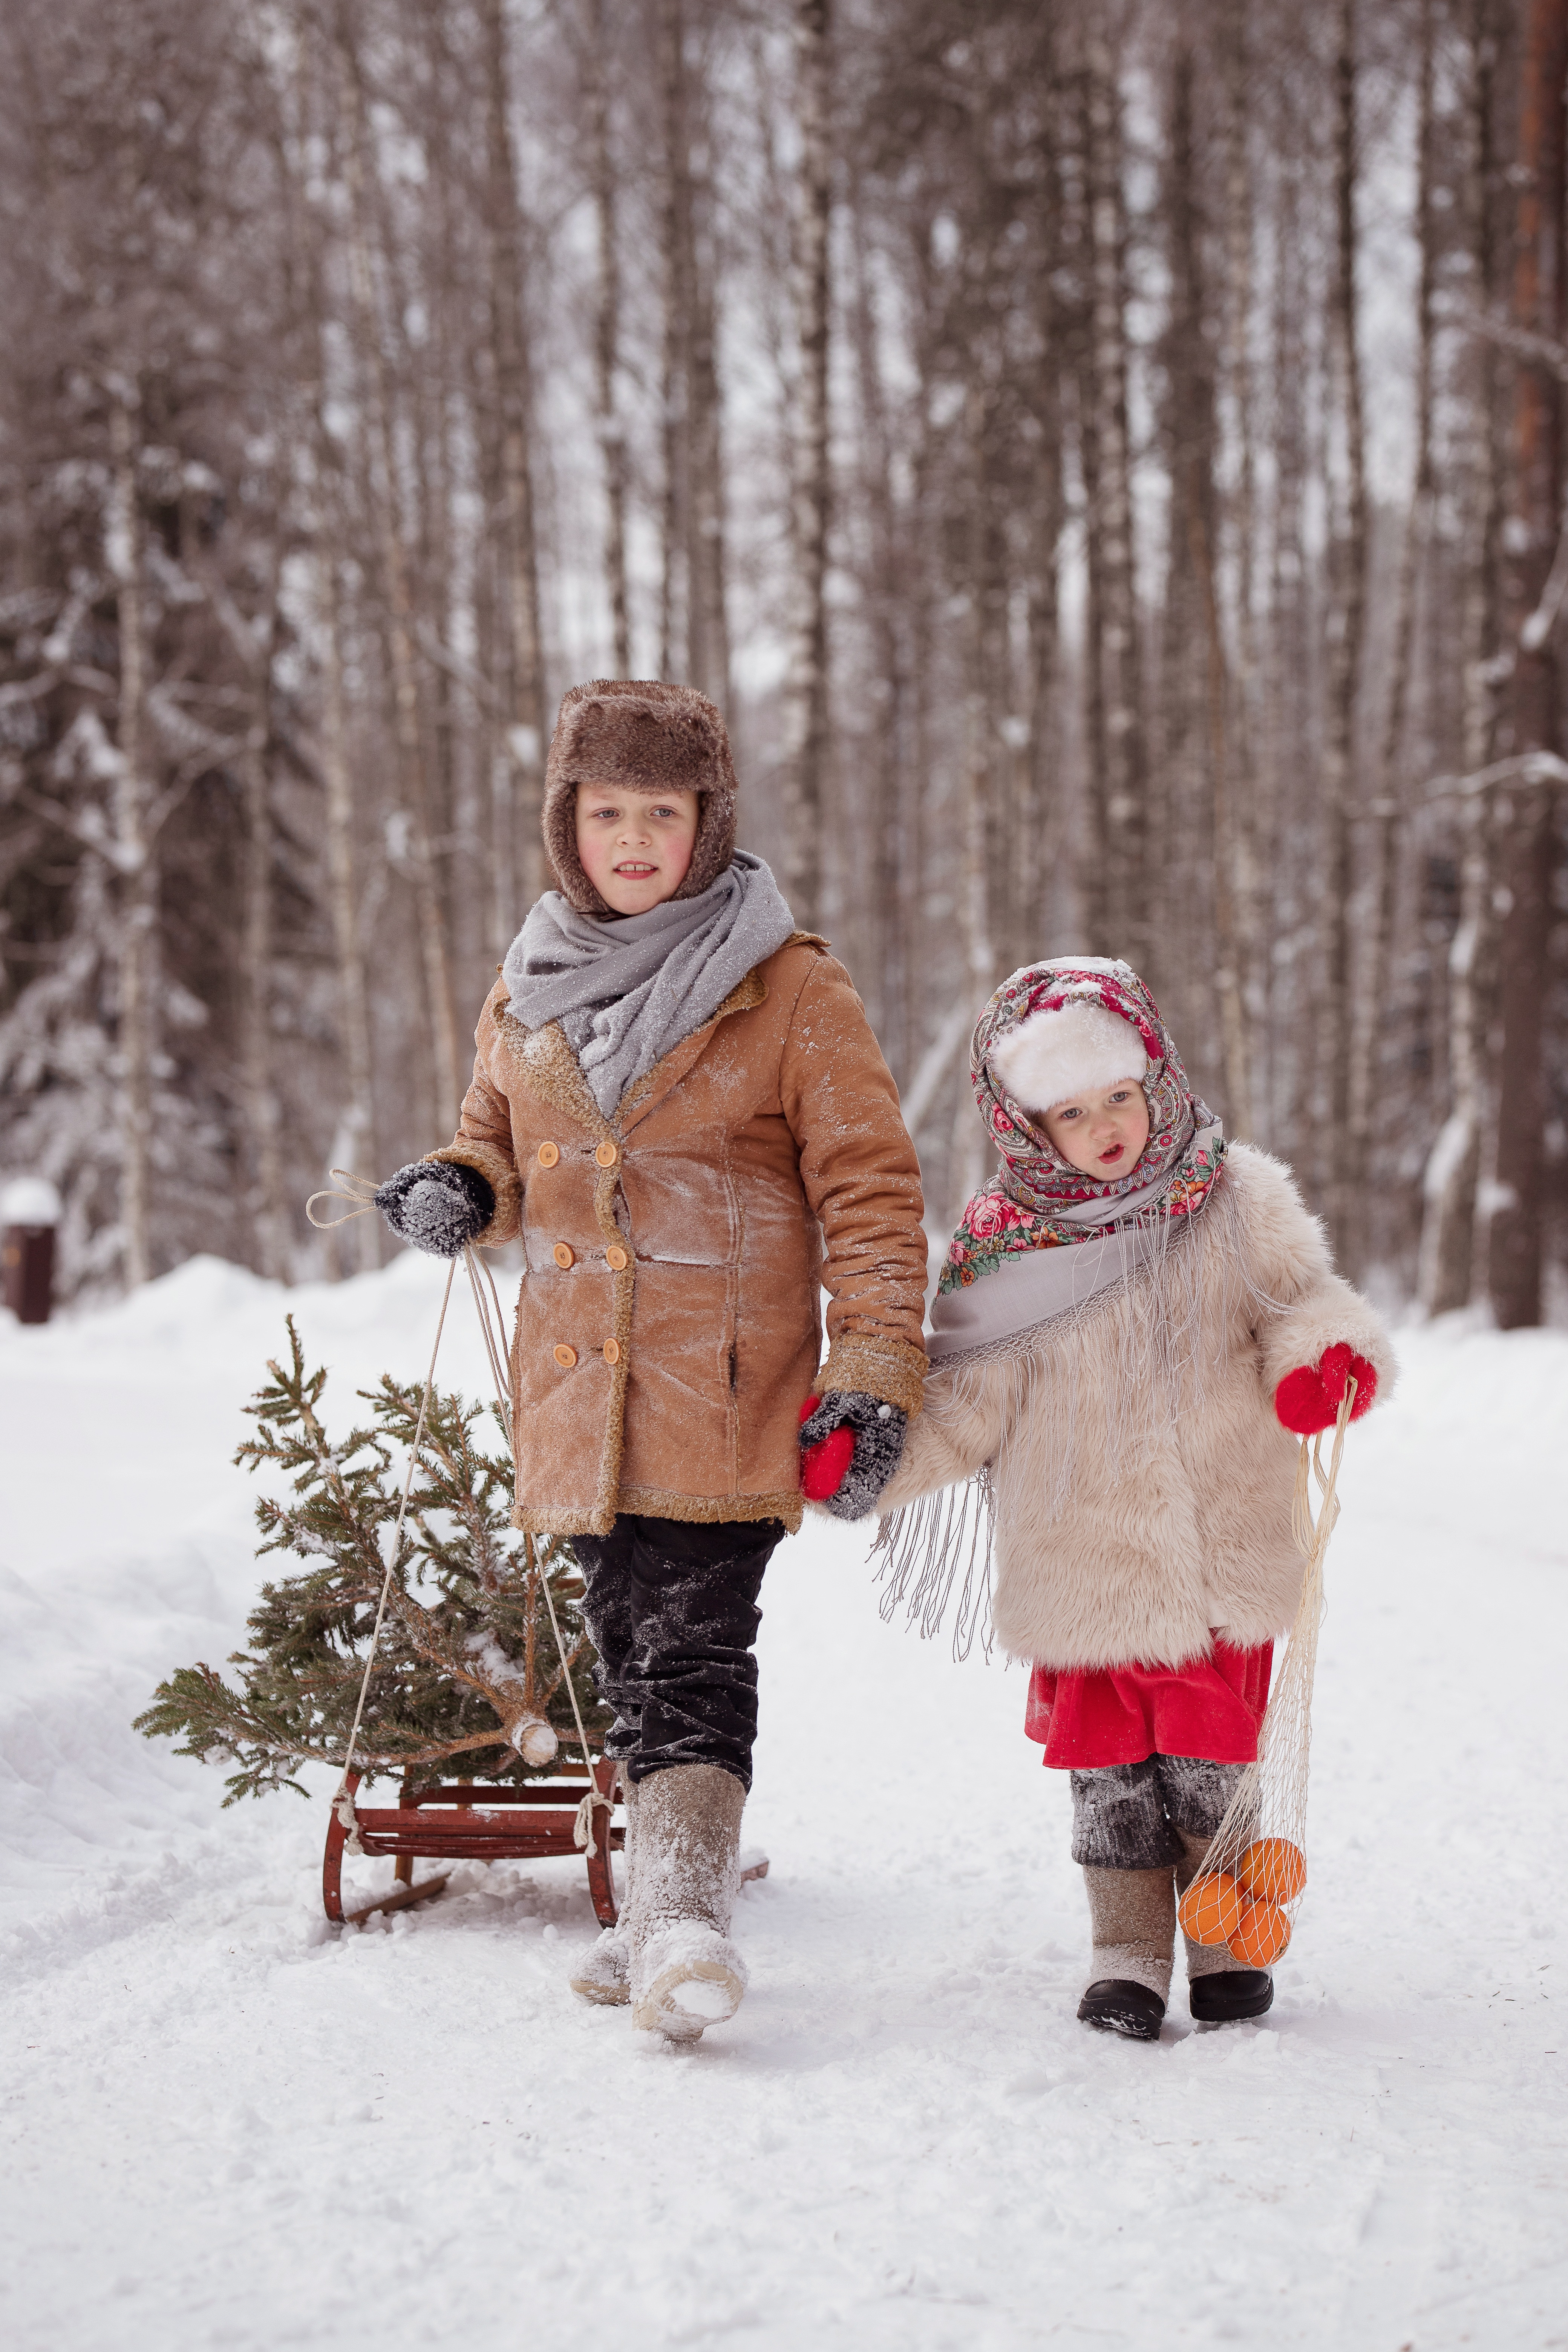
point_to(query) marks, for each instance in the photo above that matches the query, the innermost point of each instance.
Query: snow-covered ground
(227, 2126)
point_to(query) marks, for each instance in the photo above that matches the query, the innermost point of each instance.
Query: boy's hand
(437, 1204)
(849, 1448)
(1307, 1400)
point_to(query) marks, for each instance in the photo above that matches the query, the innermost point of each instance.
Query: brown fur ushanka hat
(644, 735)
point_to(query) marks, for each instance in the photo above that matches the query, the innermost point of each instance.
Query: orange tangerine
(1273, 1869)
(1261, 1937)
(1211, 1909)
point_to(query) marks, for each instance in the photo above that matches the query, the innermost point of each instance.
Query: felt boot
(1226, 1995)
(1203, 1959)
(604, 1973)
(1218, 1992)
(1132, 1917)
(686, 1974)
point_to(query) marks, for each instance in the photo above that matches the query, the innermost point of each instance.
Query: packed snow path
(227, 2126)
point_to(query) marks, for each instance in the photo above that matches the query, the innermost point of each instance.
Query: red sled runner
(470, 1821)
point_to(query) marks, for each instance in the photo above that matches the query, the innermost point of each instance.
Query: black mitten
(438, 1205)
(878, 1430)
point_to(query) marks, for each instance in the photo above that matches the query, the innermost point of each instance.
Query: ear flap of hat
(646, 735)
(1077, 1050)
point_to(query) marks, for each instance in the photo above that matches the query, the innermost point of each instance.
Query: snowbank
(227, 2126)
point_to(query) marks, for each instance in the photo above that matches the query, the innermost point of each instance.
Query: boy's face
(1101, 1134)
(635, 846)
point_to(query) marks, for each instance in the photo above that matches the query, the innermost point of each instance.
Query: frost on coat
(1142, 1482)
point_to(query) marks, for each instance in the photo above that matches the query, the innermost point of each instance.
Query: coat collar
(553, 1072)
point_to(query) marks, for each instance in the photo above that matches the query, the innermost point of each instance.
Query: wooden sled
(471, 1821)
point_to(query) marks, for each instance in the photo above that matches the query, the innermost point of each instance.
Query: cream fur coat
(1142, 1482)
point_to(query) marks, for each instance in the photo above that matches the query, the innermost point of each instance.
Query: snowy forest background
(1105, 459)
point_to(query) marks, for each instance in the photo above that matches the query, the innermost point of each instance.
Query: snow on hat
(1079, 1048)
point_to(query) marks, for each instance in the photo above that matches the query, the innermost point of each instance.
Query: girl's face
(1101, 1134)
(635, 847)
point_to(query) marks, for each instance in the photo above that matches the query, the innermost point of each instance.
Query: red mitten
(824, 1466)
(1307, 1401)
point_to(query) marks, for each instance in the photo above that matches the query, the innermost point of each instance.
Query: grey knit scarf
(627, 990)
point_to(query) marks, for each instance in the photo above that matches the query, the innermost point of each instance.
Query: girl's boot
(1218, 1992)
(606, 1973)
(686, 1974)
(1133, 1915)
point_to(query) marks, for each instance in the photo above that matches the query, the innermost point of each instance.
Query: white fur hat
(1076, 1050)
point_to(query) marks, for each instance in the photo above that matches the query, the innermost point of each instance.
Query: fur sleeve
(1331, 1312)
(959, 1428)
(862, 1179)
(1304, 1306)
(483, 1141)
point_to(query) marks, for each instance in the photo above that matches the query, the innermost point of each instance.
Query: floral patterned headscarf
(1038, 1200)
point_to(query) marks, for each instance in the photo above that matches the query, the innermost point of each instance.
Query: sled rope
(362, 1195)
(492, 1324)
(394, 1550)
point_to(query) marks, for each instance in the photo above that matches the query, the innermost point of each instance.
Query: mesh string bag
(1249, 1887)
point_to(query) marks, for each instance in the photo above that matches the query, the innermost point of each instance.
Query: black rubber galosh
(1230, 1995)
(1118, 2006)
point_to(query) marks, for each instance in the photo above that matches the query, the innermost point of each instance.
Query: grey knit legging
(1127, 1816)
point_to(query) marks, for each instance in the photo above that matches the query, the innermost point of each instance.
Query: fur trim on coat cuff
(1331, 1312)
(893, 1370)
(499, 1173)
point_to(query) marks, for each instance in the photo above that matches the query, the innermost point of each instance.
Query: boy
(679, 1103)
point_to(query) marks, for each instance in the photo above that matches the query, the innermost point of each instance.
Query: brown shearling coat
(1138, 1516)
(668, 1326)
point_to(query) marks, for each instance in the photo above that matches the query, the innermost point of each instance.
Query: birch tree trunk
(1241, 811)
(1194, 428)
(354, 1143)
(135, 861)
(513, 378)
(1124, 797)
(606, 338)
(1347, 621)
(399, 618)
(263, 1114)
(675, 238)
(707, 619)
(885, 589)
(1371, 1018)
(805, 707)
(1452, 1173)
(1531, 720)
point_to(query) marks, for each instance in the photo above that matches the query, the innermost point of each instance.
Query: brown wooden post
(29, 1212)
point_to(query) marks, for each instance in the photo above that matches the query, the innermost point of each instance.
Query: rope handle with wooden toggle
(360, 1196)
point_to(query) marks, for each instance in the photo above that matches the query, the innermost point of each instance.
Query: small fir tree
(468, 1665)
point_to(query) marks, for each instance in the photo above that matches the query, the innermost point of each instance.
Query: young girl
(678, 1107)
(1134, 1324)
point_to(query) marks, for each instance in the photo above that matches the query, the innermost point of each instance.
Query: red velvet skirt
(1122, 1714)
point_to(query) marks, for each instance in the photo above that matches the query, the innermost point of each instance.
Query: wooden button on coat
(563, 1253)
(611, 1351)
(549, 1153)
(615, 1259)
(605, 1153)
(565, 1357)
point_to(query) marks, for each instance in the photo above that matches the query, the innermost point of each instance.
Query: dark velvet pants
(671, 1605)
